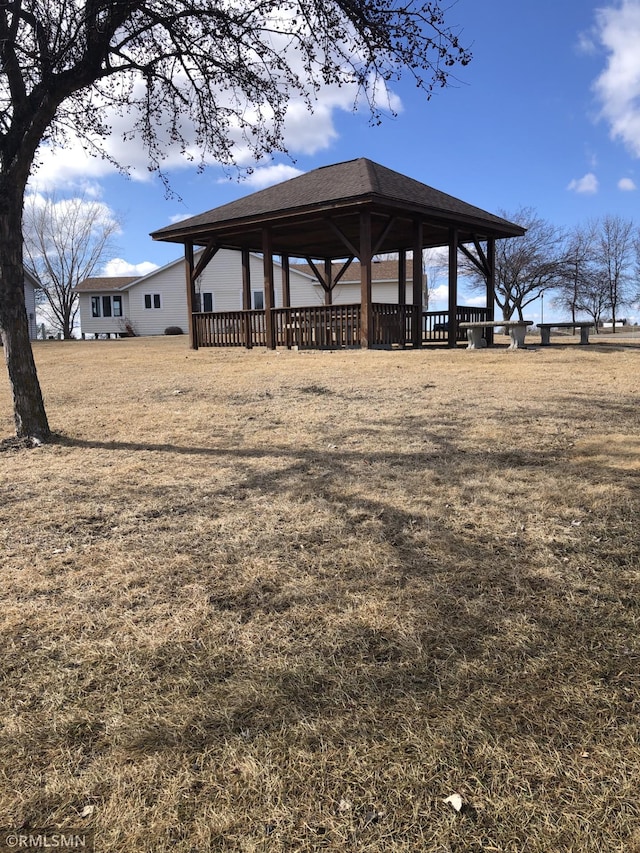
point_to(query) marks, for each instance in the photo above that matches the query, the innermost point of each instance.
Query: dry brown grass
(292, 601)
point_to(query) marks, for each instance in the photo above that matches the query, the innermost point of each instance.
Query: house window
(258, 300)
(106, 306)
(207, 302)
(152, 300)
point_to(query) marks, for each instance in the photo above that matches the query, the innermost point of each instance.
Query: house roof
(297, 210)
(103, 283)
(385, 270)
(107, 283)
(32, 278)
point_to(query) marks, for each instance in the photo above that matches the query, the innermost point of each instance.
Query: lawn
(294, 601)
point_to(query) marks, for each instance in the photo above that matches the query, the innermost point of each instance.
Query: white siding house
(154, 302)
(384, 287)
(150, 304)
(31, 284)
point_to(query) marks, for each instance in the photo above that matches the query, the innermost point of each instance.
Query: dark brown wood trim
(418, 238)
(365, 255)
(191, 292)
(286, 281)
(345, 266)
(320, 277)
(402, 277)
(246, 280)
(481, 255)
(269, 291)
(352, 249)
(328, 292)
(491, 285)
(474, 260)
(385, 231)
(453, 287)
(206, 256)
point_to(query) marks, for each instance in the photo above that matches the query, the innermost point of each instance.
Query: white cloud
(73, 168)
(586, 44)
(479, 301)
(120, 267)
(267, 176)
(587, 185)
(626, 185)
(618, 86)
(69, 169)
(306, 131)
(439, 293)
(179, 217)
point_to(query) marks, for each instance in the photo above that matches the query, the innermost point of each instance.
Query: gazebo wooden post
(491, 285)
(328, 277)
(246, 298)
(418, 238)
(286, 281)
(402, 277)
(453, 287)
(246, 280)
(269, 292)
(191, 292)
(366, 312)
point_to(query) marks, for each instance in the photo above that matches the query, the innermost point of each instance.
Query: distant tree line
(592, 269)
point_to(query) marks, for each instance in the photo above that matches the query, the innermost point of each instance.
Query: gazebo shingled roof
(296, 211)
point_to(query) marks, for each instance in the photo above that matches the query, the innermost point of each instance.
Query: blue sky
(546, 115)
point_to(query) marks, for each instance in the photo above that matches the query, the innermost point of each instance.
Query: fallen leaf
(87, 811)
(455, 801)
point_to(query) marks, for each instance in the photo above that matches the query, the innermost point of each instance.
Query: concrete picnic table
(517, 330)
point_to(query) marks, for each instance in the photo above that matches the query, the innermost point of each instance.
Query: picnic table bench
(517, 330)
(583, 325)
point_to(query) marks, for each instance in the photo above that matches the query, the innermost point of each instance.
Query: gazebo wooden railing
(328, 326)
(230, 329)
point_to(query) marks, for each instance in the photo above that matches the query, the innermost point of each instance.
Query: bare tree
(184, 72)
(66, 240)
(526, 267)
(593, 296)
(616, 255)
(579, 279)
(435, 265)
(636, 249)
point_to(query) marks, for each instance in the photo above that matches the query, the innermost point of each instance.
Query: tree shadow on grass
(453, 660)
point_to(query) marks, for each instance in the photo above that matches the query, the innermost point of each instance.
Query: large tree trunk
(28, 406)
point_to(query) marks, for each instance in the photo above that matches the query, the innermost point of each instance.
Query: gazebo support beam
(477, 262)
(491, 285)
(191, 291)
(453, 287)
(418, 239)
(269, 291)
(328, 291)
(207, 255)
(286, 281)
(366, 254)
(402, 277)
(383, 235)
(343, 237)
(323, 279)
(246, 280)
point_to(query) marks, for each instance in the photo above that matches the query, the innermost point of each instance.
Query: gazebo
(328, 217)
